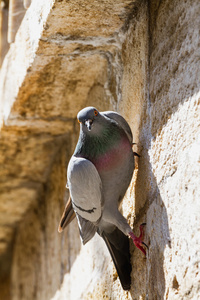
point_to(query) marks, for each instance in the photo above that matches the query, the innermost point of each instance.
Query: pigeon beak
(88, 123)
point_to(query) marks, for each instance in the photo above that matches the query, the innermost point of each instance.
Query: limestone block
(61, 78)
(169, 58)
(21, 55)
(134, 105)
(21, 155)
(88, 18)
(173, 213)
(37, 257)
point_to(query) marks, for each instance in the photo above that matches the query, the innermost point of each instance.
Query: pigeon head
(90, 119)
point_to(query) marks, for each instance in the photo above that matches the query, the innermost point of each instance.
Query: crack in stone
(61, 39)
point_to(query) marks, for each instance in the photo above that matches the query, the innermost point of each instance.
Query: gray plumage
(99, 174)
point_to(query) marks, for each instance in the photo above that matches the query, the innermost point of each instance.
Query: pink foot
(138, 241)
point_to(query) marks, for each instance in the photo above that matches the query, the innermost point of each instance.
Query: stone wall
(174, 152)
(140, 58)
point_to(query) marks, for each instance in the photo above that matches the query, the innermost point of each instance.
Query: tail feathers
(118, 246)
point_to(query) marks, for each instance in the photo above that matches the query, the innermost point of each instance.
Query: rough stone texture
(140, 58)
(21, 54)
(16, 14)
(174, 255)
(4, 46)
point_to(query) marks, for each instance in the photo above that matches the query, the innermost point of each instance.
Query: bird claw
(145, 245)
(138, 241)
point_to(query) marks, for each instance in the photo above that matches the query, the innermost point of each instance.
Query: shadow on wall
(148, 277)
(158, 240)
(150, 203)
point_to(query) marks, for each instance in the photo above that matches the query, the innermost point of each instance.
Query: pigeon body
(99, 174)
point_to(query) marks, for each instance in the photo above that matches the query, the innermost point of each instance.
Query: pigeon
(98, 175)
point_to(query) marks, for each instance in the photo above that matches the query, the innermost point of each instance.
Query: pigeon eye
(95, 112)
(79, 121)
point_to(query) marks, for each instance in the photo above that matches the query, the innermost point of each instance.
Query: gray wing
(85, 188)
(121, 121)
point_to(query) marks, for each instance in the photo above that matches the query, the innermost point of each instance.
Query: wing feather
(86, 228)
(85, 188)
(67, 217)
(121, 121)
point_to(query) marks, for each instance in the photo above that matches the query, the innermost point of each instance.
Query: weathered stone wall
(140, 58)
(174, 153)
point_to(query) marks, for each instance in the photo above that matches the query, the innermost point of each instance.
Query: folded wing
(121, 122)
(85, 188)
